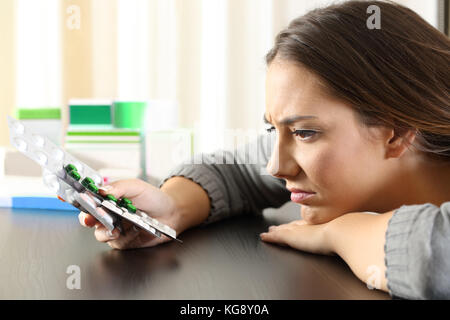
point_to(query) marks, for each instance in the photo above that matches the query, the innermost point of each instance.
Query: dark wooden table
(225, 260)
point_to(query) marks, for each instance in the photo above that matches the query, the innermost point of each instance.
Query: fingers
(301, 236)
(281, 234)
(104, 235)
(289, 225)
(131, 239)
(273, 235)
(87, 220)
(129, 188)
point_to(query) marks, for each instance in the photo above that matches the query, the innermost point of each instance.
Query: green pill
(92, 187)
(131, 208)
(124, 202)
(111, 197)
(71, 167)
(74, 174)
(87, 181)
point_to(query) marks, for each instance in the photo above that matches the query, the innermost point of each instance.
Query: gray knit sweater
(417, 247)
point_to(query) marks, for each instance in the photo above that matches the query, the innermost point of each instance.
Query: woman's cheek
(336, 179)
(325, 172)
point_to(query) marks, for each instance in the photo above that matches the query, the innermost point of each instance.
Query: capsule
(92, 187)
(70, 167)
(111, 197)
(124, 202)
(87, 181)
(74, 174)
(131, 208)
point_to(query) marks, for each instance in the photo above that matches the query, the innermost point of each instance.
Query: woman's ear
(398, 142)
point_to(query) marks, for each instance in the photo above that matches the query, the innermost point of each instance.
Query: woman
(361, 121)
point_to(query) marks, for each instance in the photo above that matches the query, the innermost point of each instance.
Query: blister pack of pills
(76, 183)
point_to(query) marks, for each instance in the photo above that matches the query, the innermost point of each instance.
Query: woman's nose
(281, 163)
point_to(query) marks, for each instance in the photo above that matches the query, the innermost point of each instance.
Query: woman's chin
(310, 215)
(315, 215)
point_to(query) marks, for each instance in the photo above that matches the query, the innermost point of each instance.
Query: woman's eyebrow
(290, 120)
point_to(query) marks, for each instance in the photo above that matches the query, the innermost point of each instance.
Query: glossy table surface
(225, 260)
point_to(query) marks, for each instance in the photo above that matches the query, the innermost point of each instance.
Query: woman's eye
(270, 130)
(304, 134)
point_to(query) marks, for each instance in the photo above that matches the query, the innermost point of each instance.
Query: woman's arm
(405, 252)
(235, 181)
(359, 239)
(191, 201)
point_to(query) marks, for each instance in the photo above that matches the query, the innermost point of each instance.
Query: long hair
(396, 76)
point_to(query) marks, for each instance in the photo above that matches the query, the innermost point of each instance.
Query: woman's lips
(299, 197)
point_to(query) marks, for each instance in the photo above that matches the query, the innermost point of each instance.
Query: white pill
(18, 128)
(57, 154)
(52, 182)
(38, 140)
(41, 158)
(20, 144)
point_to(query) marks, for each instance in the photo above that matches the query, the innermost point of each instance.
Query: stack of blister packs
(77, 184)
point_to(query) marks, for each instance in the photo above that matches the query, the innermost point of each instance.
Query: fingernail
(105, 188)
(81, 218)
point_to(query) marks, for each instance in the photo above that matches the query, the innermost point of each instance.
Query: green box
(129, 114)
(38, 114)
(90, 114)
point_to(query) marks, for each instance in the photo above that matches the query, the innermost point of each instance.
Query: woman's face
(331, 155)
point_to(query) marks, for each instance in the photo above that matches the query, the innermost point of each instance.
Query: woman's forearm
(192, 203)
(358, 238)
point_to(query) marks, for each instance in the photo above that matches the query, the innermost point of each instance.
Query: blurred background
(115, 77)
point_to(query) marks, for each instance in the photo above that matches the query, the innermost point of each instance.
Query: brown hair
(396, 76)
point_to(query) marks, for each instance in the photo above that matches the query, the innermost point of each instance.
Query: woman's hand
(301, 235)
(358, 238)
(145, 197)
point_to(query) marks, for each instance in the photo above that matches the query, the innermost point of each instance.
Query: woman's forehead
(293, 73)
(292, 90)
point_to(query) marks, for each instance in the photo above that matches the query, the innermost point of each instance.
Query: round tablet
(20, 144)
(38, 140)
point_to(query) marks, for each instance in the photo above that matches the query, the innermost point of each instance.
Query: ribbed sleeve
(417, 252)
(236, 181)
(204, 176)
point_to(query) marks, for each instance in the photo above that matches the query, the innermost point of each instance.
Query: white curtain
(38, 58)
(205, 55)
